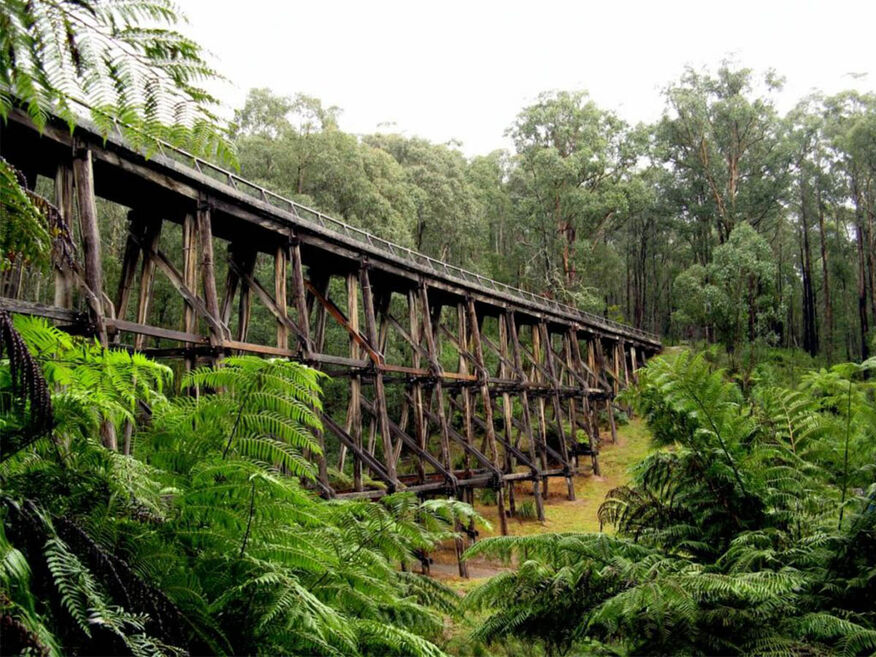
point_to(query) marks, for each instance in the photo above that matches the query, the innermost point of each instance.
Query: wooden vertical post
(430, 331)
(622, 346)
(466, 392)
(420, 425)
(609, 409)
(379, 391)
(280, 266)
(190, 279)
(208, 271)
(616, 359)
(536, 451)
(353, 424)
(151, 235)
(244, 308)
(591, 420)
(64, 186)
(594, 369)
(83, 175)
(507, 411)
(478, 352)
(232, 282)
(129, 264)
(462, 368)
(573, 413)
(634, 357)
(320, 281)
(548, 360)
(300, 298)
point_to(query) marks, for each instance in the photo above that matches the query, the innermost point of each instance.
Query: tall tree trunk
(862, 272)
(810, 337)
(871, 255)
(825, 282)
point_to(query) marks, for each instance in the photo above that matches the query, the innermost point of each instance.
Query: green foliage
(727, 539)
(569, 182)
(24, 231)
(735, 293)
(204, 540)
(122, 64)
(263, 410)
(526, 510)
(724, 221)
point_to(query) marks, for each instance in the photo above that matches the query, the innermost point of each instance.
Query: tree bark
(810, 337)
(825, 283)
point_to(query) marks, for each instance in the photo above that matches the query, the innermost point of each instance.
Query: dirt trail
(561, 515)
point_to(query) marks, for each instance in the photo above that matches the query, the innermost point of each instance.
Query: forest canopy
(725, 220)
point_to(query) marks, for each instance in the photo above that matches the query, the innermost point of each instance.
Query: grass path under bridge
(561, 514)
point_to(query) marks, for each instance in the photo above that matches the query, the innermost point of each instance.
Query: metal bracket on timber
(480, 385)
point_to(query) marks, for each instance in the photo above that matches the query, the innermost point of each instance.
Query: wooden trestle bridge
(482, 385)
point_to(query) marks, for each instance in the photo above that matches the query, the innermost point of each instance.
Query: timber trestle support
(443, 381)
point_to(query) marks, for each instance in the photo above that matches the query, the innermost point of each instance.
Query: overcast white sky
(462, 70)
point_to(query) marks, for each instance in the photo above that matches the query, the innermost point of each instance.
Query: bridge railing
(311, 215)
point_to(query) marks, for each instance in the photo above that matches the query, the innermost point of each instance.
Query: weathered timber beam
(300, 293)
(406, 336)
(176, 279)
(280, 267)
(522, 457)
(149, 244)
(474, 332)
(413, 446)
(557, 403)
(371, 331)
(165, 174)
(266, 298)
(129, 266)
(503, 359)
(83, 176)
(341, 318)
(368, 459)
(41, 310)
(208, 272)
(462, 351)
(471, 449)
(155, 331)
(550, 451)
(64, 193)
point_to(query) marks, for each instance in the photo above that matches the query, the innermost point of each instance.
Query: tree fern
(25, 402)
(726, 543)
(121, 63)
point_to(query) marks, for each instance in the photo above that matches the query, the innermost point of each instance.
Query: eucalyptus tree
(851, 127)
(488, 176)
(295, 147)
(735, 294)
(567, 184)
(725, 148)
(446, 207)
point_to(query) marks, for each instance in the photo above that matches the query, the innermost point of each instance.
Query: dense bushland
(749, 530)
(204, 540)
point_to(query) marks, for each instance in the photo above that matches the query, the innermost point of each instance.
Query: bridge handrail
(359, 234)
(459, 274)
